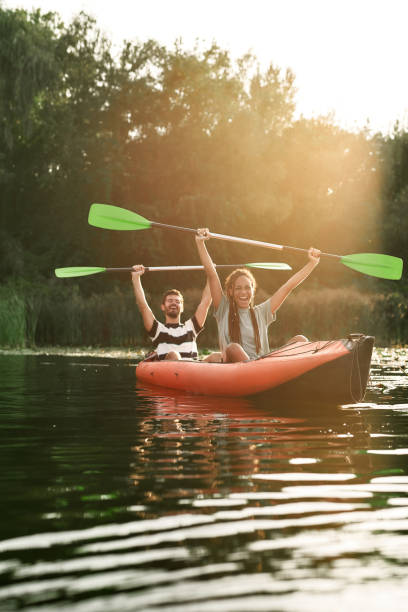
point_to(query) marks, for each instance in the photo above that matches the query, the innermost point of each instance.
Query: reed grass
(324, 314)
(109, 319)
(56, 315)
(334, 313)
(12, 318)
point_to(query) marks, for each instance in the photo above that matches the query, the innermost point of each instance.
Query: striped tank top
(179, 337)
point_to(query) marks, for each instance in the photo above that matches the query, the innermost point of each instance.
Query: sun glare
(348, 57)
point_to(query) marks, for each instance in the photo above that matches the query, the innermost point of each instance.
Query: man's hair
(172, 292)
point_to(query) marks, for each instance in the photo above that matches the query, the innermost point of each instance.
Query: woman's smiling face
(243, 291)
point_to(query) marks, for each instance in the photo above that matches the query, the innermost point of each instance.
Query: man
(173, 340)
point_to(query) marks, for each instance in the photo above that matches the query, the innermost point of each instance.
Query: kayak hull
(334, 371)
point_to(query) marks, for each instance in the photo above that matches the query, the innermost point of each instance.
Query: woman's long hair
(233, 315)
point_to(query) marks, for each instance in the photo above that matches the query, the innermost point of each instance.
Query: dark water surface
(115, 497)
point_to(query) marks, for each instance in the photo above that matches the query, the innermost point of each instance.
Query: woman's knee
(235, 352)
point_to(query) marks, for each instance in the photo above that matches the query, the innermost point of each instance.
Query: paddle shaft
(169, 268)
(269, 245)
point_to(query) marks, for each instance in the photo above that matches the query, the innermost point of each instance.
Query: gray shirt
(264, 318)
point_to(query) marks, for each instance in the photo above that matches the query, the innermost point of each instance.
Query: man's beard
(173, 314)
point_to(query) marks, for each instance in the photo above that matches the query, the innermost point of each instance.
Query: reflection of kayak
(334, 371)
(179, 403)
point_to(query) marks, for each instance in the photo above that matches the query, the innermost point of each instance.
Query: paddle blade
(78, 271)
(374, 264)
(269, 266)
(116, 218)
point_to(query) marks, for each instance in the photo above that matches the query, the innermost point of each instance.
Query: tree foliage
(187, 137)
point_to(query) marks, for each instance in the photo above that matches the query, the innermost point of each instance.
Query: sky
(348, 56)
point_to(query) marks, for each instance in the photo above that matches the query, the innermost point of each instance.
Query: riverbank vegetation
(191, 138)
(65, 317)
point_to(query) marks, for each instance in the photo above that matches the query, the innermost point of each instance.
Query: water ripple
(121, 498)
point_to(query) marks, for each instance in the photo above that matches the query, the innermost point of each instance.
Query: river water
(117, 497)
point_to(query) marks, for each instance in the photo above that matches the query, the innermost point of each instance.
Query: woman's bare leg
(234, 352)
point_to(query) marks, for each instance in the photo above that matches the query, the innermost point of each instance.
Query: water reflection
(123, 497)
(234, 439)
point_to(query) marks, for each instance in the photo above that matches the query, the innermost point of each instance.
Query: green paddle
(115, 218)
(83, 271)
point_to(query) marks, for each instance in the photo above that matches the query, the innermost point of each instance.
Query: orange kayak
(334, 371)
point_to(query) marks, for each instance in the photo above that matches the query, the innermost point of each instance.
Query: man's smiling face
(173, 307)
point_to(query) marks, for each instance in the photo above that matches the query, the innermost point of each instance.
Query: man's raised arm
(144, 308)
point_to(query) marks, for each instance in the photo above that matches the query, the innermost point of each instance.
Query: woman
(242, 327)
